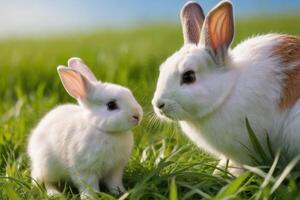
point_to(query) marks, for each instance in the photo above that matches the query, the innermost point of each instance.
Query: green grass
(164, 164)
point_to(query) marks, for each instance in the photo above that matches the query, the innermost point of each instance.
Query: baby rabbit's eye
(112, 105)
(188, 77)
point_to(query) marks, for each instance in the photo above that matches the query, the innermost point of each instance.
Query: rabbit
(211, 90)
(87, 142)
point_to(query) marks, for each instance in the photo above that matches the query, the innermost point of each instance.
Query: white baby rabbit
(211, 89)
(88, 142)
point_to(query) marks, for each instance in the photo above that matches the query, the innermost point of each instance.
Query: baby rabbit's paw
(117, 189)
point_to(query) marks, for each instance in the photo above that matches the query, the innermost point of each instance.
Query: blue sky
(27, 17)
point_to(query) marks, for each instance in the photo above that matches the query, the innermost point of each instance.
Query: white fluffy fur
(85, 143)
(212, 111)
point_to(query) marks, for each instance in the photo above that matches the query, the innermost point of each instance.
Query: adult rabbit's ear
(80, 66)
(192, 18)
(76, 84)
(218, 31)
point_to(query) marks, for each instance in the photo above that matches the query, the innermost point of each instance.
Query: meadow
(164, 164)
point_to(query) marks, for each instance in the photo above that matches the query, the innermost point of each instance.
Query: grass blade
(256, 171)
(255, 143)
(232, 187)
(271, 171)
(270, 146)
(194, 190)
(10, 192)
(285, 173)
(173, 190)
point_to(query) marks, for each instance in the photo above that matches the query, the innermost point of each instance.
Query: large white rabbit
(88, 142)
(211, 89)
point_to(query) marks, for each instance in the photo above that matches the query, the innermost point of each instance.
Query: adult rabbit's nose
(160, 104)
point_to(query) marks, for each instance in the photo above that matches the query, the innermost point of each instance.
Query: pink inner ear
(74, 83)
(220, 27)
(192, 18)
(80, 66)
(216, 30)
(75, 62)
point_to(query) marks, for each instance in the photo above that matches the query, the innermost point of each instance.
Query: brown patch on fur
(291, 89)
(288, 50)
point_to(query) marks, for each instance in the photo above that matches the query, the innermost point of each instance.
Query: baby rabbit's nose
(136, 117)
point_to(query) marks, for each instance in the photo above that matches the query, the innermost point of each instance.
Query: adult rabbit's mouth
(171, 111)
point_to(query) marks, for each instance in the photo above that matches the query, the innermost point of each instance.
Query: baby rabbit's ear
(80, 66)
(218, 31)
(77, 85)
(192, 18)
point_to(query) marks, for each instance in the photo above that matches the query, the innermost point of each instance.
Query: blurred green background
(164, 164)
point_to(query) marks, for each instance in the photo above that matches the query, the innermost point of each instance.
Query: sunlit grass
(164, 164)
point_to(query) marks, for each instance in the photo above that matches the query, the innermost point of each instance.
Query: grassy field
(164, 164)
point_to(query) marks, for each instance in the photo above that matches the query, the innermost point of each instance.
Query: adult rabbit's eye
(188, 77)
(112, 105)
